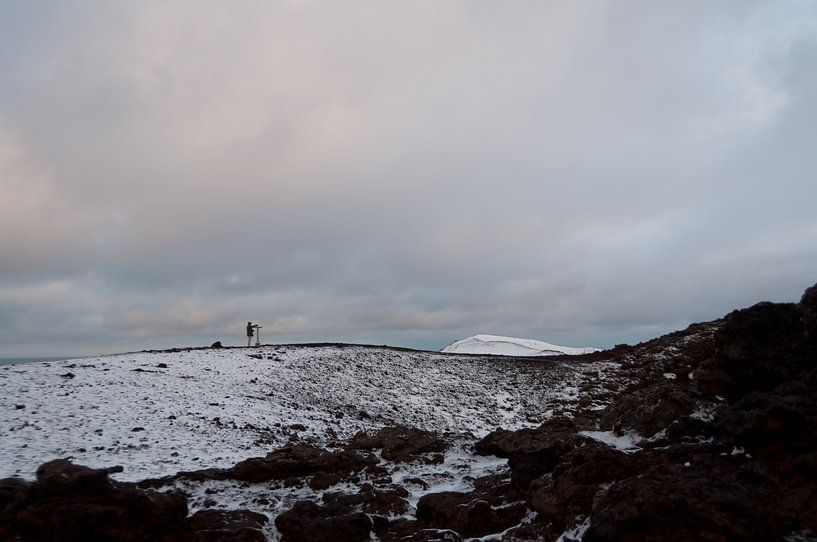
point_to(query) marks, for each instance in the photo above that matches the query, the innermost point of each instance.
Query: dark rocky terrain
(722, 417)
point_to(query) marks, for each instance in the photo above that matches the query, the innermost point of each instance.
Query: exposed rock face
(70, 502)
(570, 488)
(399, 443)
(649, 410)
(532, 452)
(677, 506)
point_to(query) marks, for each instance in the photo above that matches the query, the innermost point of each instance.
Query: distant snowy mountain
(511, 346)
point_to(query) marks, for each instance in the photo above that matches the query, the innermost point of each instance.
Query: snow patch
(627, 442)
(576, 533)
(496, 345)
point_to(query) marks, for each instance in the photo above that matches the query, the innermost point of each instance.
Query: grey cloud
(408, 172)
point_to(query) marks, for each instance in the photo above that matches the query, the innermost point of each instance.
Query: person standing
(250, 333)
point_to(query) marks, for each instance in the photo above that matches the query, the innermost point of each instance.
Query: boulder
(309, 522)
(532, 452)
(399, 443)
(72, 502)
(808, 313)
(569, 490)
(683, 506)
(649, 410)
(298, 461)
(468, 516)
(384, 502)
(227, 526)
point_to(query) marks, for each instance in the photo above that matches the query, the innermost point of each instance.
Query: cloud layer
(407, 173)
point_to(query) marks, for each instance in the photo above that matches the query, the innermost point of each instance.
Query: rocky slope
(703, 434)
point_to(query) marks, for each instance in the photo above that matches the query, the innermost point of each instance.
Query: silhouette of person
(250, 333)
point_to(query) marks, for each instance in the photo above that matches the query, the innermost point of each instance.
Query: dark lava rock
(310, 522)
(808, 312)
(297, 461)
(10, 488)
(757, 348)
(71, 502)
(216, 344)
(649, 410)
(468, 516)
(759, 419)
(384, 502)
(682, 507)
(569, 490)
(223, 526)
(403, 530)
(322, 480)
(399, 443)
(532, 452)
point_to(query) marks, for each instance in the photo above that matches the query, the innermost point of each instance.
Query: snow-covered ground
(497, 345)
(158, 413)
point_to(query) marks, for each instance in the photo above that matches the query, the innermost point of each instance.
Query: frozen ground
(160, 413)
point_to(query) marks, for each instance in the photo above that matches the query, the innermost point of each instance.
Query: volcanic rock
(532, 452)
(399, 443)
(468, 516)
(297, 461)
(224, 526)
(310, 522)
(71, 502)
(681, 507)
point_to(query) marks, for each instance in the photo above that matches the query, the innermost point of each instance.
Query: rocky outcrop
(298, 461)
(734, 455)
(310, 522)
(227, 526)
(70, 502)
(467, 514)
(399, 443)
(532, 452)
(570, 488)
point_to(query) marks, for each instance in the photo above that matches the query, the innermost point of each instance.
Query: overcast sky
(410, 173)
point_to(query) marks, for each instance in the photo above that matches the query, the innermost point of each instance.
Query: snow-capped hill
(511, 346)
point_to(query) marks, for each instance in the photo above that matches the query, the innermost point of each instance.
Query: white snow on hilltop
(496, 345)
